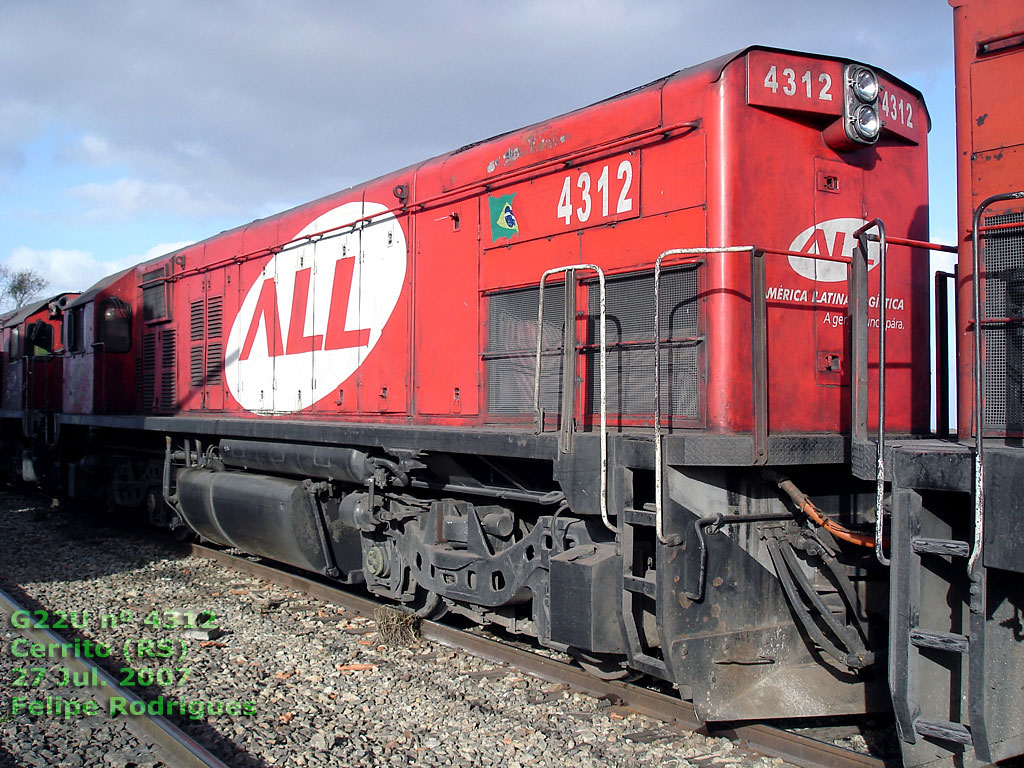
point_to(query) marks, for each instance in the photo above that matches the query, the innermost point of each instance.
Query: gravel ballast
(309, 684)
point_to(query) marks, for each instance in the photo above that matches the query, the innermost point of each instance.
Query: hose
(806, 506)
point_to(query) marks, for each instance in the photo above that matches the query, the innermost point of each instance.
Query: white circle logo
(834, 238)
(316, 310)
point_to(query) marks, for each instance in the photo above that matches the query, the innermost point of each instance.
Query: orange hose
(807, 507)
(837, 530)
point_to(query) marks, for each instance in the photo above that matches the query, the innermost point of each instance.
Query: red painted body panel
(31, 376)
(767, 198)
(704, 157)
(96, 379)
(990, 148)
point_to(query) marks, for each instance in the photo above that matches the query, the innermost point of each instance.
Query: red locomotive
(648, 382)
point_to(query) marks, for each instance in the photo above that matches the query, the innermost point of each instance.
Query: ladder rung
(942, 641)
(952, 547)
(943, 729)
(638, 516)
(650, 664)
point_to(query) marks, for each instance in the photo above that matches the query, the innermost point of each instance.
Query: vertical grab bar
(538, 415)
(979, 378)
(862, 240)
(942, 356)
(658, 505)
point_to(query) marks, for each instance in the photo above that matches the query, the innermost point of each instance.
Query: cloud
(89, 149)
(75, 271)
(67, 270)
(126, 198)
(230, 108)
(265, 100)
(161, 249)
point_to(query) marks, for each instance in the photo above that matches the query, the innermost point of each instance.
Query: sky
(128, 129)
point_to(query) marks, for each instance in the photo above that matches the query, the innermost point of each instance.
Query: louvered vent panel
(512, 349)
(196, 320)
(1003, 255)
(214, 362)
(148, 370)
(629, 333)
(214, 317)
(168, 393)
(196, 366)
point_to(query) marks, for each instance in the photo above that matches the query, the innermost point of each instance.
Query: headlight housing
(866, 123)
(861, 120)
(865, 84)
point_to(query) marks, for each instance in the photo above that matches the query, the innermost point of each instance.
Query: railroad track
(793, 747)
(179, 749)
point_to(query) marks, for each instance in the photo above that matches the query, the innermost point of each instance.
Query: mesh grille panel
(1003, 259)
(510, 384)
(512, 347)
(629, 308)
(1004, 371)
(629, 319)
(630, 381)
(512, 320)
(512, 339)
(154, 297)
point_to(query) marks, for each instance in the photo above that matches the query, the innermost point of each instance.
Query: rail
(570, 271)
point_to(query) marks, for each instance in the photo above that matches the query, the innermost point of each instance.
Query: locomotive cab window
(14, 344)
(39, 336)
(115, 325)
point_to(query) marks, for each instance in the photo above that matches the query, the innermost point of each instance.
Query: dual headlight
(861, 111)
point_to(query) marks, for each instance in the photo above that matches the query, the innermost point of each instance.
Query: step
(943, 729)
(651, 665)
(639, 517)
(645, 586)
(942, 641)
(952, 547)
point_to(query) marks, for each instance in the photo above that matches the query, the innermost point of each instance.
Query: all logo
(316, 311)
(835, 238)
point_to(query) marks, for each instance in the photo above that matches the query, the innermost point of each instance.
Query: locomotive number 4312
(811, 83)
(595, 192)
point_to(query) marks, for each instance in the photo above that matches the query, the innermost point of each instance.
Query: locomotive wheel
(164, 517)
(157, 511)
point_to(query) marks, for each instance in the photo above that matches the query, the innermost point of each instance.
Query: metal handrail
(979, 378)
(862, 240)
(539, 415)
(658, 505)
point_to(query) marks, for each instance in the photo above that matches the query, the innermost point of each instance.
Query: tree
(19, 287)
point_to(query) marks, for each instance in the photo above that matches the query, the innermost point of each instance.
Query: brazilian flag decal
(503, 218)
